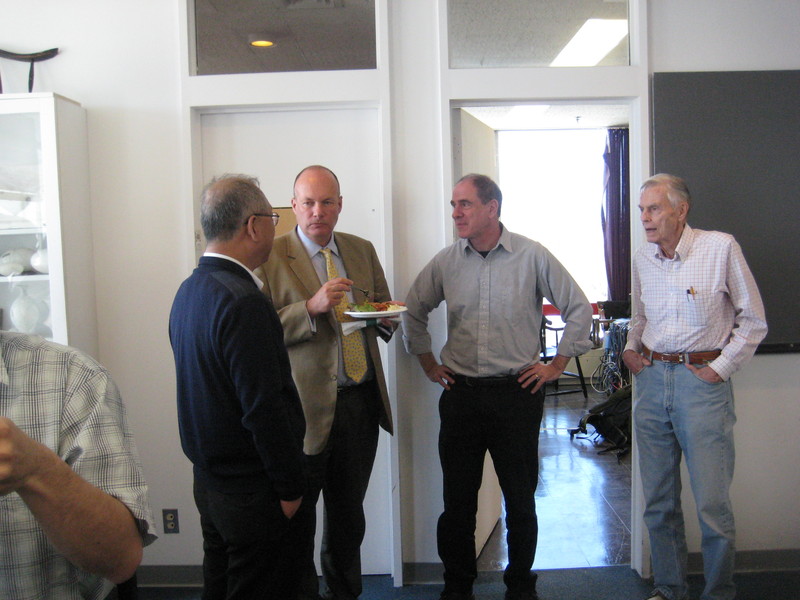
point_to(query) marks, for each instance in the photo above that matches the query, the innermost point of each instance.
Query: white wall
(121, 61)
(476, 146)
(740, 35)
(420, 230)
(724, 35)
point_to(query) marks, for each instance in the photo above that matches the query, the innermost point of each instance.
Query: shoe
(451, 595)
(522, 595)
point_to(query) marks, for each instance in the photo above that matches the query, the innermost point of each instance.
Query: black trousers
(341, 473)
(503, 420)
(251, 550)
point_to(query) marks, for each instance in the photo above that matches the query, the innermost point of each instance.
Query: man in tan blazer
(342, 415)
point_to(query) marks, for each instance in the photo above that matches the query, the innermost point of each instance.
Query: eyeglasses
(275, 217)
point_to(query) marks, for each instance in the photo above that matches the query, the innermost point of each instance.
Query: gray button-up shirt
(494, 306)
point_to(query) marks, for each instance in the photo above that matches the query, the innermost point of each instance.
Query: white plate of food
(379, 310)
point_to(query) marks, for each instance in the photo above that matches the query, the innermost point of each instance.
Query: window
(537, 33)
(254, 36)
(552, 183)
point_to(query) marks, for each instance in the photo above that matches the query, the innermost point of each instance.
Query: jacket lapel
(300, 263)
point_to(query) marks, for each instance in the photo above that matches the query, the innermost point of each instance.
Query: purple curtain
(615, 216)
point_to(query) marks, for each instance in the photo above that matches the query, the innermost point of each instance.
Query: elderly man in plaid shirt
(697, 318)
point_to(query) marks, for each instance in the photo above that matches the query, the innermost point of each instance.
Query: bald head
(316, 171)
(317, 203)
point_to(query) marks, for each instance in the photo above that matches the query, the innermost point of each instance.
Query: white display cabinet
(46, 259)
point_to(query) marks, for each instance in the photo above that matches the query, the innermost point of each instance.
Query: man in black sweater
(240, 418)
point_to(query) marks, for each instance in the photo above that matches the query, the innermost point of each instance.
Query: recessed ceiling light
(595, 39)
(261, 40)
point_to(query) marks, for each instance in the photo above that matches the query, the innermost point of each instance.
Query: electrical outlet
(170, 516)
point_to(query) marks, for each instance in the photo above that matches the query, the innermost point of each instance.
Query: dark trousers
(505, 421)
(341, 472)
(251, 550)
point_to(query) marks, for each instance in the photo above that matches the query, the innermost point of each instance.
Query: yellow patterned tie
(355, 360)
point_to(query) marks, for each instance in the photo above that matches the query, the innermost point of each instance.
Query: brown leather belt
(693, 358)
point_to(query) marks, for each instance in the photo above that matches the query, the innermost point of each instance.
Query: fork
(363, 291)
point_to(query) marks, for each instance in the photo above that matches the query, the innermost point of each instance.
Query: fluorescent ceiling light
(593, 41)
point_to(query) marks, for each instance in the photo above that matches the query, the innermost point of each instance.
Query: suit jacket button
(333, 377)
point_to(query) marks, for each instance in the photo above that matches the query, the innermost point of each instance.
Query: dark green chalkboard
(735, 138)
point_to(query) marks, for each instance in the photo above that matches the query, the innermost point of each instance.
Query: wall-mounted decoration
(32, 58)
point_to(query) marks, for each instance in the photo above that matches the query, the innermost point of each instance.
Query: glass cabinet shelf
(25, 278)
(46, 258)
(22, 231)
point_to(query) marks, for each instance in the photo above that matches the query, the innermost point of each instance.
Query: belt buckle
(683, 358)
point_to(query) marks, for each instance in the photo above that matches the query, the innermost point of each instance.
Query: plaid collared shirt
(705, 298)
(66, 401)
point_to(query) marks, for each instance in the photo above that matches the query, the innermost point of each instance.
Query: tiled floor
(583, 500)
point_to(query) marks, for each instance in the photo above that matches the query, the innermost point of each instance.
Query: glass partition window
(537, 33)
(269, 36)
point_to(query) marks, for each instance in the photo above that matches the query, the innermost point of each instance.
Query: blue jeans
(676, 413)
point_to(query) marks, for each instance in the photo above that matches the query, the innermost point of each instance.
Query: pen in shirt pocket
(690, 294)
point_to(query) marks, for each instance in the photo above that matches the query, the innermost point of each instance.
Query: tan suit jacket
(290, 280)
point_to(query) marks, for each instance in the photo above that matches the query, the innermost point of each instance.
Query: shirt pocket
(700, 307)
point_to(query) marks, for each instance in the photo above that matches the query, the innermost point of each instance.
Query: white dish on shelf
(40, 261)
(7, 269)
(18, 256)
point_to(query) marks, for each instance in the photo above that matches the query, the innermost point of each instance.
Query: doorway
(548, 160)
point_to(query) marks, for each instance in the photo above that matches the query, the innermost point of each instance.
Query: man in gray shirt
(494, 282)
